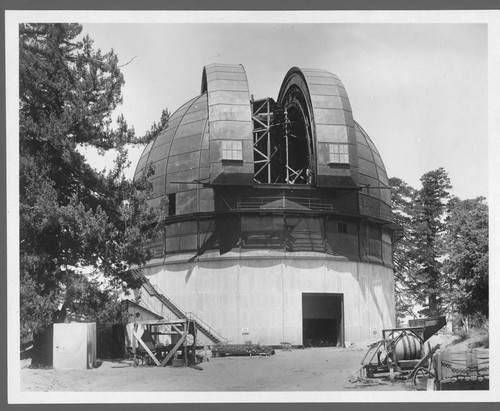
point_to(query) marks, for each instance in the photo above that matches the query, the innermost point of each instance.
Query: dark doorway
(322, 320)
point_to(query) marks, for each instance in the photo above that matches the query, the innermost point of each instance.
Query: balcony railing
(311, 204)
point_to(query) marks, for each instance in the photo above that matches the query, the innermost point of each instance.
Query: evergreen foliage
(71, 215)
(441, 261)
(467, 252)
(428, 227)
(403, 201)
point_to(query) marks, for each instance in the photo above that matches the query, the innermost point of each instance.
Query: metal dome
(180, 153)
(187, 156)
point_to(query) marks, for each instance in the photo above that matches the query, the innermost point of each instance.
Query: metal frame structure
(272, 137)
(163, 355)
(263, 150)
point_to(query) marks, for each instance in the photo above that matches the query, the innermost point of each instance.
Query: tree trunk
(433, 308)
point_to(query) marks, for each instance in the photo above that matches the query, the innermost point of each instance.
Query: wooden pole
(174, 350)
(153, 357)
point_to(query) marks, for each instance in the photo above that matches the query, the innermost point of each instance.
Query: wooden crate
(462, 370)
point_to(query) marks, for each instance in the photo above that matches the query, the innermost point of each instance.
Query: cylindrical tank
(408, 347)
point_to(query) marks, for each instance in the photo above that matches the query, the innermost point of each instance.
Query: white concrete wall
(265, 295)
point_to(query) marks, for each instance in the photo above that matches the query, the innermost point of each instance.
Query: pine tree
(403, 199)
(71, 215)
(429, 226)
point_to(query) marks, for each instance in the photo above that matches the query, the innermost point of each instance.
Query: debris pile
(221, 350)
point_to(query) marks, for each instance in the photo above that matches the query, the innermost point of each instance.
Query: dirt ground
(311, 369)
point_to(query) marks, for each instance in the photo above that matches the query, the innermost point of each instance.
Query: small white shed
(74, 346)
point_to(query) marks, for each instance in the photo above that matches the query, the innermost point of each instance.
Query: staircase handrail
(192, 316)
(179, 312)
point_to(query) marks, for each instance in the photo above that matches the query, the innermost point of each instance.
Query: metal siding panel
(336, 102)
(332, 116)
(158, 185)
(235, 97)
(368, 168)
(331, 133)
(140, 165)
(172, 124)
(323, 80)
(248, 151)
(191, 129)
(185, 179)
(172, 244)
(360, 138)
(194, 116)
(387, 253)
(204, 173)
(159, 167)
(226, 75)
(229, 85)
(215, 153)
(231, 130)
(159, 153)
(186, 145)
(173, 230)
(318, 73)
(200, 104)
(204, 158)
(187, 202)
(206, 199)
(188, 243)
(205, 143)
(371, 145)
(323, 155)
(385, 196)
(230, 112)
(186, 161)
(328, 170)
(366, 179)
(147, 149)
(206, 194)
(378, 161)
(231, 68)
(163, 138)
(182, 109)
(364, 152)
(382, 176)
(327, 90)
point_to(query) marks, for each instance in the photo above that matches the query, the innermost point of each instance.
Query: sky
(418, 89)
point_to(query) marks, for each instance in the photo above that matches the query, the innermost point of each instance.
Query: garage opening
(322, 320)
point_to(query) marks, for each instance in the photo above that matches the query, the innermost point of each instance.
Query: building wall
(264, 294)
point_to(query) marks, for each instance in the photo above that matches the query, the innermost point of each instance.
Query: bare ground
(312, 369)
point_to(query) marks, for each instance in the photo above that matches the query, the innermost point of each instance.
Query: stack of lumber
(220, 350)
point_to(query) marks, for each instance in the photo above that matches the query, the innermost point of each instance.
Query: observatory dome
(278, 216)
(181, 154)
